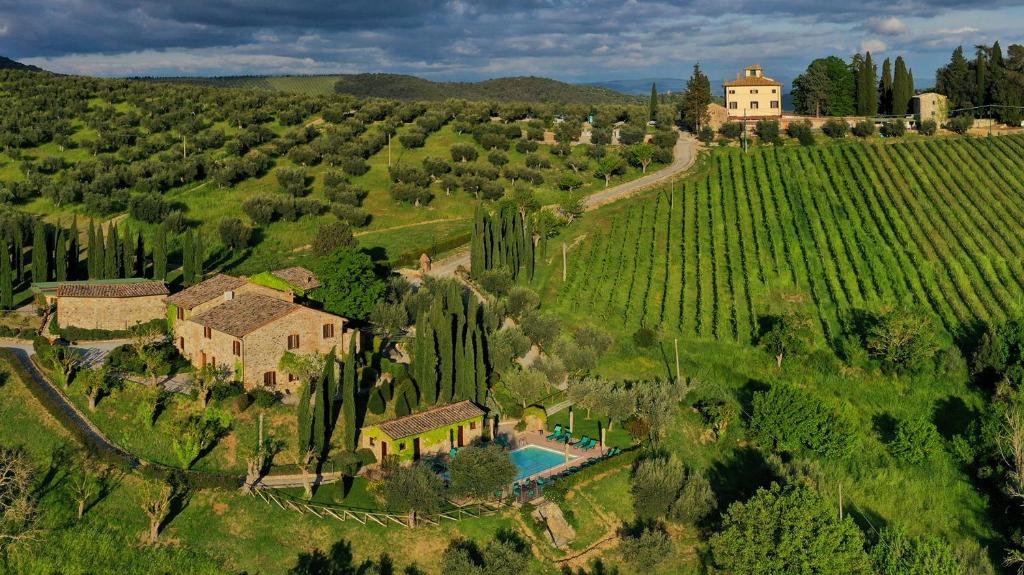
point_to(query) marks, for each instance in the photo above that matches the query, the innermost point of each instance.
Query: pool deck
(539, 439)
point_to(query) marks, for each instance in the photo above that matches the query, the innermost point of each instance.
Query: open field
(841, 228)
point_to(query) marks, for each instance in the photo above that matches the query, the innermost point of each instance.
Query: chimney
(229, 295)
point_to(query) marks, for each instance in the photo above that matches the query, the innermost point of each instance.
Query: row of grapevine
(847, 227)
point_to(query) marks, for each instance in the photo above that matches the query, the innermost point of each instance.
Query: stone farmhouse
(233, 323)
(433, 431)
(753, 96)
(112, 305)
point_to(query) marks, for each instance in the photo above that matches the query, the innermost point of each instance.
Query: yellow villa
(753, 95)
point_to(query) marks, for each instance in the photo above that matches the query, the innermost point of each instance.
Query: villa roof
(432, 419)
(244, 314)
(112, 290)
(205, 291)
(751, 81)
(299, 277)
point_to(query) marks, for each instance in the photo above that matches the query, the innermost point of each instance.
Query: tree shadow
(56, 472)
(739, 477)
(181, 496)
(109, 480)
(338, 561)
(952, 416)
(884, 425)
(4, 378)
(745, 394)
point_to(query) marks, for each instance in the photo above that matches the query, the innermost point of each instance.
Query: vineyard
(935, 224)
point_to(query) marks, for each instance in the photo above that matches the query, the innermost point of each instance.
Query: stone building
(246, 328)
(108, 305)
(437, 430)
(753, 96)
(931, 106)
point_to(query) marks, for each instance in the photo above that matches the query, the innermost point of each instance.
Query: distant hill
(8, 64)
(642, 87)
(522, 88)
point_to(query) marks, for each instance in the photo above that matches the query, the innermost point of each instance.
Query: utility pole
(677, 361)
(261, 431)
(563, 262)
(389, 149)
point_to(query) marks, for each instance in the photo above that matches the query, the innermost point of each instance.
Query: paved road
(685, 154)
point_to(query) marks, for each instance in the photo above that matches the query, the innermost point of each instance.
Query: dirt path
(685, 155)
(412, 225)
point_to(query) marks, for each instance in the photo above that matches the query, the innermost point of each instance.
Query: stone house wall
(439, 440)
(109, 313)
(262, 349)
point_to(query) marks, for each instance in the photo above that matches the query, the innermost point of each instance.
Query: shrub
(645, 548)
(552, 367)
(521, 300)
(835, 128)
(802, 132)
(731, 130)
(767, 131)
(264, 398)
(413, 139)
(593, 338)
(331, 236)
(234, 234)
(960, 124)
(410, 193)
(863, 128)
(376, 403)
(541, 328)
(149, 208)
(527, 146)
(463, 153)
(899, 552)
(789, 418)
(915, 440)
(354, 166)
(645, 338)
(261, 209)
(706, 135)
(927, 127)
(223, 391)
(497, 158)
(655, 486)
(894, 129)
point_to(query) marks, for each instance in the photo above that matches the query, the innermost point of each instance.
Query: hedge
(556, 491)
(82, 334)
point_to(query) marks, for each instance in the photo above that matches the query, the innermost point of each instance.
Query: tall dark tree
(19, 256)
(40, 253)
(955, 81)
(60, 256)
(425, 359)
(885, 89)
(696, 100)
(91, 254)
(903, 88)
(160, 253)
(198, 256)
(348, 394)
(6, 276)
(112, 254)
(981, 84)
(652, 109)
(867, 88)
(128, 254)
(74, 250)
(188, 266)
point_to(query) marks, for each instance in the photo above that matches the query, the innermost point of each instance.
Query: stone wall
(114, 314)
(262, 349)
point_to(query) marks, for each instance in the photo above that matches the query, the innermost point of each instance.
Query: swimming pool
(533, 459)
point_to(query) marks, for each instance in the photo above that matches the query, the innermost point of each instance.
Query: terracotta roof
(244, 314)
(112, 290)
(751, 81)
(299, 277)
(205, 291)
(433, 419)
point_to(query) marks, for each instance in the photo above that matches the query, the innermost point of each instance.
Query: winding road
(684, 156)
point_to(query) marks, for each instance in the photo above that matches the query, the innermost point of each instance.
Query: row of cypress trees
(449, 353)
(319, 403)
(115, 255)
(503, 241)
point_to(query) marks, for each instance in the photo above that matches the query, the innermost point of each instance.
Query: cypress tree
(885, 89)
(981, 76)
(140, 255)
(19, 256)
(445, 353)
(477, 256)
(652, 110)
(6, 279)
(348, 400)
(110, 253)
(462, 366)
(101, 254)
(90, 261)
(160, 253)
(74, 248)
(903, 89)
(198, 257)
(530, 256)
(303, 419)
(867, 95)
(40, 257)
(425, 360)
(127, 254)
(188, 273)
(480, 371)
(60, 256)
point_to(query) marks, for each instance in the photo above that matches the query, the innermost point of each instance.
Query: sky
(581, 41)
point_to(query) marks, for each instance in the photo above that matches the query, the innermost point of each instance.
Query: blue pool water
(532, 460)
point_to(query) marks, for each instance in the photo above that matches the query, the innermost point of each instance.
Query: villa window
(754, 91)
(236, 347)
(293, 341)
(733, 105)
(207, 332)
(775, 104)
(181, 313)
(401, 446)
(181, 343)
(472, 425)
(774, 91)
(373, 442)
(753, 105)
(328, 330)
(291, 378)
(732, 91)
(270, 378)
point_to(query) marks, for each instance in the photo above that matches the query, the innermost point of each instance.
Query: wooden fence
(382, 518)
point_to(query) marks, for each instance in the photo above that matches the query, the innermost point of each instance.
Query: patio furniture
(557, 434)
(582, 442)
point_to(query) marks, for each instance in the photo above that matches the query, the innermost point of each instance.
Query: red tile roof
(432, 419)
(298, 277)
(245, 314)
(205, 291)
(112, 290)
(751, 81)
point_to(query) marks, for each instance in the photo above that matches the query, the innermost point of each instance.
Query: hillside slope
(8, 64)
(522, 88)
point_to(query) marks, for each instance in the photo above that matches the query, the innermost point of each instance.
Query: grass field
(840, 227)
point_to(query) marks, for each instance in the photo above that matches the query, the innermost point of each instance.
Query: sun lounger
(557, 433)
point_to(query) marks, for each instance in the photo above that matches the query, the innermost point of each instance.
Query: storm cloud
(462, 39)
